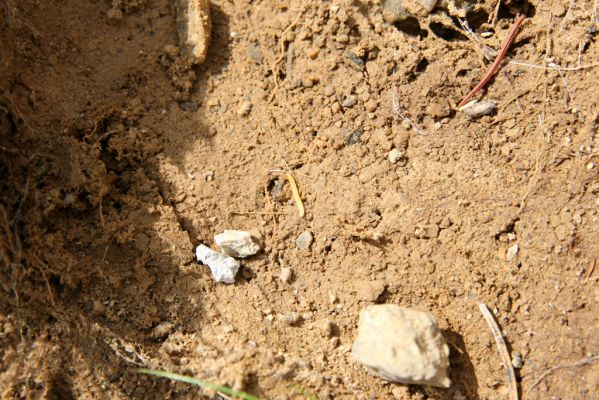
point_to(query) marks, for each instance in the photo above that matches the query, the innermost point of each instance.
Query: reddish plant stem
(495, 66)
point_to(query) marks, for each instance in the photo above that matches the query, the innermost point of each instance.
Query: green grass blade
(198, 382)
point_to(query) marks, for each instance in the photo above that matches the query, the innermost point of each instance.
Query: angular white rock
(512, 252)
(223, 267)
(237, 243)
(402, 345)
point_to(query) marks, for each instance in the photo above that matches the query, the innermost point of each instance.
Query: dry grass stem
(295, 194)
(503, 351)
(580, 363)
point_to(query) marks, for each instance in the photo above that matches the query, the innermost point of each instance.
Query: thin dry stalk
(256, 213)
(577, 364)
(552, 66)
(589, 272)
(486, 52)
(275, 65)
(398, 110)
(503, 351)
(570, 95)
(496, 13)
(563, 23)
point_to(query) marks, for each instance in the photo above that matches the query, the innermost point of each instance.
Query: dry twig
(503, 351)
(495, 66)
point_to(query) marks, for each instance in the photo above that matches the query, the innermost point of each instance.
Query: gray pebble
(291, 318)
(253, 53)
(304, 240)
(479, 109)
(517, 360)
(354, 137)
(355, 62)
(350, 101)
(188, 106)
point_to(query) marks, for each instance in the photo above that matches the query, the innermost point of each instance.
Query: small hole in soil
(411, 26)
(421, 66)
(476, 18)
(522, 8)
(445, 32)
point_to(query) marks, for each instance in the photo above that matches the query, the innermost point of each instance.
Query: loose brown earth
(117, 158)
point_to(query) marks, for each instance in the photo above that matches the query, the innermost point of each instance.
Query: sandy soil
(118, 157)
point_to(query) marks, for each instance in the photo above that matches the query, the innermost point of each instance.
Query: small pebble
(335, 108)
(517, 360)
(342, 38)
(291, 318)
(244, 108)
(395, 155)
(475, 110)
(333, 298)
(350, 101)
(286, 274)
(304, 240)
(254, 53)
(313, 52)
(354, 137)
(355, 62)
(335, 342)
(371, 105)
(512, 252)
(208, 175)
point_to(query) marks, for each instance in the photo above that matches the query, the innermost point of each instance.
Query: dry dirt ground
(118, 157)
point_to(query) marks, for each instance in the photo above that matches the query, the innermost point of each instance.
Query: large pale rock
(237, 243)
(195, 27)
(223, 267)
(402, 345)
